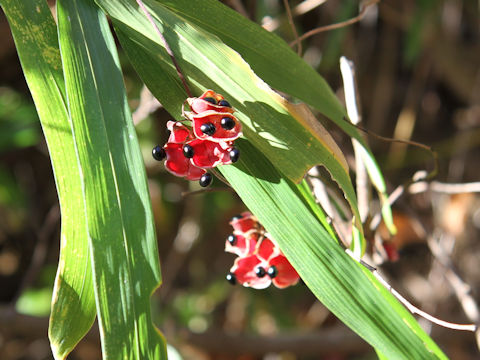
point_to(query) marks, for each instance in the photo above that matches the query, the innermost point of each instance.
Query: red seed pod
(266, 248)
(260, 260)
(179, 165)
(209, 100)
(179, 133)
(244, 269)
(208, 154)
(244, 223)
(241, 245)
(227, 127)
(285, 274)
(188, 151)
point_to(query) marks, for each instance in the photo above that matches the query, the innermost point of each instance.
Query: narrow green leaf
(120, 226)
(73, 304)
(285, 133)
(349, 290)
(275, 62)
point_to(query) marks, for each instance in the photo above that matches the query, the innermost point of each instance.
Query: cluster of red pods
(208, 143)
(260, 261)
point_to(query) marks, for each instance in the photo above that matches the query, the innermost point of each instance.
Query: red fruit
(246, 223)
(179, 133)
(215, 118)
(208, 154)
(244, 271)
(260, 260)
(242, 246)
(179, 165)
(266, 248)
(286, 275)
(198, 105)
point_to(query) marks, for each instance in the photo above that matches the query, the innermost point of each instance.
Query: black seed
(231, 278)
(237, 217)
(234, 155)
(158, 153)
(260, 271)
(208, 129)
(232, 239)
(188, 151)
(224, 103)
(227, 123)
(210, 100)
(205, 180)
(272, 271)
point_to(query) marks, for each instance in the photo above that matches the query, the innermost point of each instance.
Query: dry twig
(413, 309)
(271, 24)
(337, 25)
(292, 25)
(444, 188)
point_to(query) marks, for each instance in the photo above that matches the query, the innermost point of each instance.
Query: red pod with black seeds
(179, 133)
(189, 151)
(208, 154)
(209, 100)
(245, 271)
(260, 261)
(229, 131)
(179, 165)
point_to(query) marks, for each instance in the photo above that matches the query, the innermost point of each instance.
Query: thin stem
(167, 47)
(337, 25)
(292, 25)
(417, 177)
(445, 188)
(203, 191)
(413, 309)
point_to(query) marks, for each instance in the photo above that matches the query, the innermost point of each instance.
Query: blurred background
(417, 66)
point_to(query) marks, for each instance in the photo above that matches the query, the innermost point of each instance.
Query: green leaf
(287, 134)
(275, 62)
(73, 304)
(348, 289)
(208, 63)
(120, 226)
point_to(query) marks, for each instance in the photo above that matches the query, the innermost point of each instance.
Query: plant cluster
(208, 143)
(260, 261)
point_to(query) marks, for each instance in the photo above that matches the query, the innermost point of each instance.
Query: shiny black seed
(188, 151)
(208, 129)
(224, 103)
(260, 271)
(205, 180)
(158, 153)
(210, 100)
(272, 271)
(231, 278)
(234, 155)
(232, 239)
(227, 123)
(237, 217)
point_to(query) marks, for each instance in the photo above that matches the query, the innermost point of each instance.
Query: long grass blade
(120, 226)
(73, 303)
